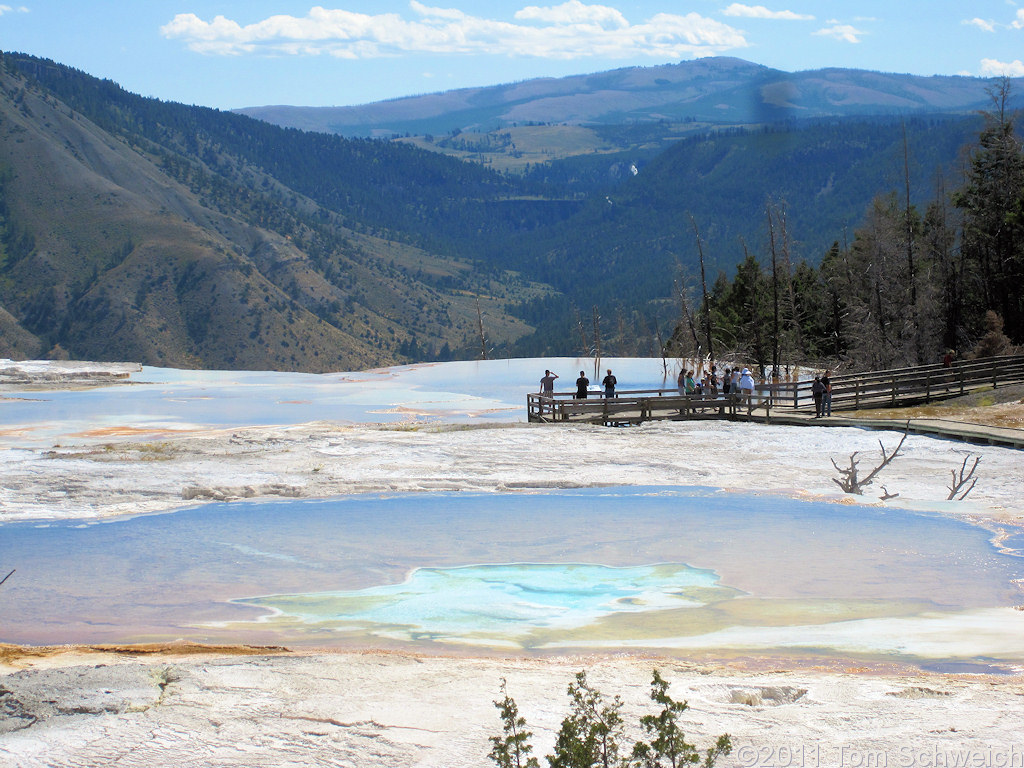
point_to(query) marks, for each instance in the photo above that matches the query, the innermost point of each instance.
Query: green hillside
(173, 235)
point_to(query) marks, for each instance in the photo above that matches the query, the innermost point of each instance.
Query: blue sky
(256, 52)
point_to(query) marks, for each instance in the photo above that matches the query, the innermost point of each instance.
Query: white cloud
(843, 32)
(1018, 23)
(574, 12)
(8, 9)
(995, 68)
(987, 26)
(570, 30)
(760, 12)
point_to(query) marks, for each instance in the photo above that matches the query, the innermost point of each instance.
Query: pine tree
(512, 749)
(590, 735)
(992, 200)
(668, 748)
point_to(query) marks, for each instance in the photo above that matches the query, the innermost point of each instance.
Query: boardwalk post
(894, 390)
(928, 388)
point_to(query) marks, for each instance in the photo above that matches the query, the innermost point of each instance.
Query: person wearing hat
(747, 388)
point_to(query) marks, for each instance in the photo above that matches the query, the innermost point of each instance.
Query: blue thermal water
(159, 399)
(621, 566)
(508, 599)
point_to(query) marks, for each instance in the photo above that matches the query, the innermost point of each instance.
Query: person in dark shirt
(818, 392)
(609, 382)
(582, 383)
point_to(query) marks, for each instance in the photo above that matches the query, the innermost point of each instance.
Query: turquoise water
(613, 568)
(505, 602)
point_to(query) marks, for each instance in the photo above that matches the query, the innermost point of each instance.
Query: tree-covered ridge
(915, 282)
(170, 256)
(372, 185)
(823, 174)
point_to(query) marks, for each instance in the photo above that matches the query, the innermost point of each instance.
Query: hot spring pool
(668, 569)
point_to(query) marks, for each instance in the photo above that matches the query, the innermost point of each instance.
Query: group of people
(733, 381)
(609, 382)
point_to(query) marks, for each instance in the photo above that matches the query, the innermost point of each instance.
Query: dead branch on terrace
(962, 478)
(5, 578)
(886, 495)
(848, 478)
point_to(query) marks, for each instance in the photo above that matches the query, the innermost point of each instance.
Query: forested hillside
(133, 229)
(913, 283)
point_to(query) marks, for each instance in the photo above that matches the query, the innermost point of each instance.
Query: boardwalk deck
(794, 402)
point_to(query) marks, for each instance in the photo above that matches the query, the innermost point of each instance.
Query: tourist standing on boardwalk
(547, 383)
(818, 392)
(826, 399)
(746, 387)
(689, 383)
(582, 383)
(681, 381)
(609, 383)
(547, 388)
(727, 382)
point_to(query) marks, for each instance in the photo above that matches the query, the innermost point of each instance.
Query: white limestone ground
(124, 475)
(375, 709)
(396, 710)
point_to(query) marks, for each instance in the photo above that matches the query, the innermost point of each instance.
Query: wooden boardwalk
(793, 402)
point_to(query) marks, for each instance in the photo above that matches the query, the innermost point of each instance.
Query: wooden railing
(906, 386)
(875, 389)
(640, 405)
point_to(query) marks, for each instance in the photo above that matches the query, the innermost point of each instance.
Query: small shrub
(593, 734)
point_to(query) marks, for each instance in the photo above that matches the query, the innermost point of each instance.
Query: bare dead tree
(597, 343)
(584, 341)
(686, 315)
(775, 293)
(5, 578)
(910, 244)
(620, 319)
(661, 351)
(480, 329)
(704, 289)
(961, 478)
(849, 479)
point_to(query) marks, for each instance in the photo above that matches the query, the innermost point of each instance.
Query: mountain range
(135, 229)
(716, 90)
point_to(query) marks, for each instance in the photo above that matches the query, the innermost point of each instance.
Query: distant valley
(132, 229)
